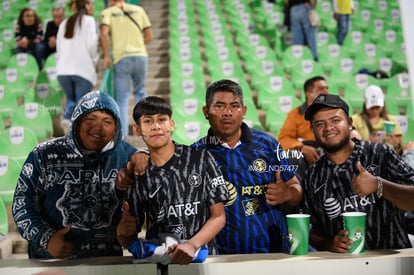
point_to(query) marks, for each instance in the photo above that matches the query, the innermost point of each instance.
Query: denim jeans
(302, 32)
(35, 49)
(343, 26)
(129, 68)
(74, 88)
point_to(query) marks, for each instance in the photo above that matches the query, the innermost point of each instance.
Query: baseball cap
(326, 100)
(374, 97)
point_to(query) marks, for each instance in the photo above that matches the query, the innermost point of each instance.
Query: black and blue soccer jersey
(327, 194)
(176, 197)
(252, 225)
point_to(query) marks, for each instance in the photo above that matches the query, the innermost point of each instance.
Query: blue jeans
(342, 26)
(129, 68)
(74, 88)
(35, 49)
(301, 29)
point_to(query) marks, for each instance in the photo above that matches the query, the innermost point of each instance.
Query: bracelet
(380, 187)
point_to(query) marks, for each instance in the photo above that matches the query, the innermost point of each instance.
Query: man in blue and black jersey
(258, 175)
(354, 176)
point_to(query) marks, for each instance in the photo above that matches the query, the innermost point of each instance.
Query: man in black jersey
(351, 176)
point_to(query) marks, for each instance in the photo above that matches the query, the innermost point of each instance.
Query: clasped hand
(136, 166)
(57, 247)
(182, 253)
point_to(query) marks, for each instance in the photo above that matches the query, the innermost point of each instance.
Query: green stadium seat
(352, 40)
(14, 82)
(271, 86)
(399, 91)
(8, 37)
(293, 55)
(189, 131)
(304, 70)
(361, 20)
(34, 116)
(274, 120)
(252, 118)
(4, 221)
(47, 94)
(26, 65)
(329, 56)
(5, 54)
(8, 103)
(17, 142)
(9, 174)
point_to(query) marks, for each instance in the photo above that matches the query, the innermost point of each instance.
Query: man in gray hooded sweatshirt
(65, 203)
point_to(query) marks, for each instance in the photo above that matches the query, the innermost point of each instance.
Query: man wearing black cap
(352, 176)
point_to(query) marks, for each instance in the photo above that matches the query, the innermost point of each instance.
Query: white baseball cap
(374, 97)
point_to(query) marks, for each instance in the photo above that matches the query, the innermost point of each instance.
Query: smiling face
(225, 114)
(331, 127)
(155, 130)
(95, 130)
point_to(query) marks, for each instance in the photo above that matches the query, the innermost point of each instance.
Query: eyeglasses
(29, 15)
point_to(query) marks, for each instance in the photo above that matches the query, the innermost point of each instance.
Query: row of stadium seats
(22, 82)
(238, 51)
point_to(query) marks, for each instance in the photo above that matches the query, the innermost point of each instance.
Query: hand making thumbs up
(126, 230)
(364, 183)
(277, 192)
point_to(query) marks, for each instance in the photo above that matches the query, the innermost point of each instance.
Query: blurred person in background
(127, 29)
(343, 9)
(77, 56)
(58, 15)
(28, 34)
(302, 31)
(370, 121)
(296, 133)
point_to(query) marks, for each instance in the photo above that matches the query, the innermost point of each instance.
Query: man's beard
(332, 148)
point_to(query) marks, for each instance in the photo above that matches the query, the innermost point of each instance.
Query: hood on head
(94, 101)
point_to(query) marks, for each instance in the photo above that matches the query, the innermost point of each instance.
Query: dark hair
(308, 85)
(80, 11)
(151, 105)
(21, 15)
(365, 117)
(224, 85)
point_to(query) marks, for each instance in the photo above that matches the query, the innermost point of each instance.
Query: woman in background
(76, 56)
(29, 34)
(370, 121)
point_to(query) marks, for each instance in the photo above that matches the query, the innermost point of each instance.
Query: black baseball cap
(326, 100)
